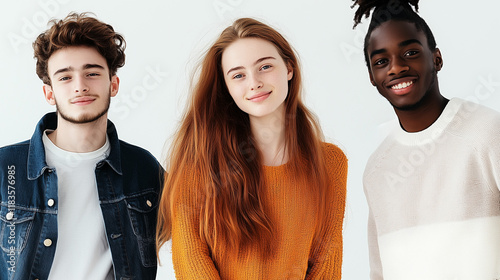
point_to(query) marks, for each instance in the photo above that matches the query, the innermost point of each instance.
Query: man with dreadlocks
(433, 185)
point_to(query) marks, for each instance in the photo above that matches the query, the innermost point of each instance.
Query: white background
(166, 38)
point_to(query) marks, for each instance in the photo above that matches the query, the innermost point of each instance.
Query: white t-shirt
(434, 199)
(82, 250)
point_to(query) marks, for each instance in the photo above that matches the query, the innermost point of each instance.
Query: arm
(190, 254)
(326, 260)
(375, 263)
(495, 157)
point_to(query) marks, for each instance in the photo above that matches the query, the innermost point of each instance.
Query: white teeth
(402, 85)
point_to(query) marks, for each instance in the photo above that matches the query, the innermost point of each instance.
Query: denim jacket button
(50, 202)
(149, 203)
(9, 216)
(47, 242)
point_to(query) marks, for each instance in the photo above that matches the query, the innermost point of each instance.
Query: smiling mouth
(83, 100)
(402, 85)
(260, 96)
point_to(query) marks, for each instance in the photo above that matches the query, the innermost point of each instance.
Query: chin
(82, 119)
(407, 106)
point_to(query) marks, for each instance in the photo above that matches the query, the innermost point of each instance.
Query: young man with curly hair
(77, 202)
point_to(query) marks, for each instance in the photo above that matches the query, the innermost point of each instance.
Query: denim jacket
(128, 183)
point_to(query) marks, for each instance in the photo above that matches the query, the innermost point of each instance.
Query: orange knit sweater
(297, 255)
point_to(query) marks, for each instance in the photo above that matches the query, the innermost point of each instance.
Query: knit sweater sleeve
(375, 262)
(494, 152)
(326, 260)
(190, 253)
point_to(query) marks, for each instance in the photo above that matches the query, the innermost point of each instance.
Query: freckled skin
(399, 55)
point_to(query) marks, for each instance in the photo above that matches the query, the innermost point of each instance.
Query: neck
(423, 115)
(79, 138)
(269, 134)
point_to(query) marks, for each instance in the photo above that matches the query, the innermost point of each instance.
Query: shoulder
(384, 154)
(128, 149)
(335, 159)
(137, 157)
(21, 145)
(384, 147)
(473, 113)
(333, 153)
(476, 123)
(15, 150)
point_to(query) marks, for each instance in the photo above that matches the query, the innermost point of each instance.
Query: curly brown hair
(79, 30)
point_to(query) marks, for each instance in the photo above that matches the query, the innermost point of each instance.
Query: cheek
(237, 87)
(235, 92)
(378, 76)
(282, 81)
(58, 90)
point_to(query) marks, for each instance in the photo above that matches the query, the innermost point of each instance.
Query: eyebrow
(86, 66)
(256, 62)
(402, 44)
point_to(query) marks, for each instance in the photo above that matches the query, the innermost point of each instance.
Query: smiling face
(80, 84)
(402, 66)
(256, 76)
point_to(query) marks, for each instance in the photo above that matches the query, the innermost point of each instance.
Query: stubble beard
(85, 118)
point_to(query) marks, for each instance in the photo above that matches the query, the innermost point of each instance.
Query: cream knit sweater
(434, 199)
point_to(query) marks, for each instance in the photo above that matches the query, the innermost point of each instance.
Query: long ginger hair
(215, 141)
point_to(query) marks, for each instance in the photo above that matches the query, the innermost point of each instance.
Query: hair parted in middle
(79, 30)
(215, 140)
(386, 10)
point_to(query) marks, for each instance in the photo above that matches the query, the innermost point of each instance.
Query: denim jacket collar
(36, 154)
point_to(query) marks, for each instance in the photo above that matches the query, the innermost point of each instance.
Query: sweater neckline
(276, 167)
(434, 131)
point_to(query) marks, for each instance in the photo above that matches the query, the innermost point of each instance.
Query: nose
(255, 82)
(81, 86)
(398, 66)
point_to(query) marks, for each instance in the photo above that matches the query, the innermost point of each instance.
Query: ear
(289, 76)
(371, 78)
(438, 60)
(115, 84)
(49, 94)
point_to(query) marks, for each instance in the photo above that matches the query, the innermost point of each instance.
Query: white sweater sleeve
(375, 263)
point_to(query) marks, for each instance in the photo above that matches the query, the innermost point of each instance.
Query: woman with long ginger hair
(252, 191)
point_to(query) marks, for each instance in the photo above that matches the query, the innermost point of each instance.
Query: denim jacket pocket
(142, 210)
(15, 227)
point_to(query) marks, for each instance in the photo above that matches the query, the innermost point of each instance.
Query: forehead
(391, 33)
(75, 57)
(245, 51)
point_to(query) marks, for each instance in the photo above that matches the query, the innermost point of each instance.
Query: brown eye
(380, 62)
(411, 53)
